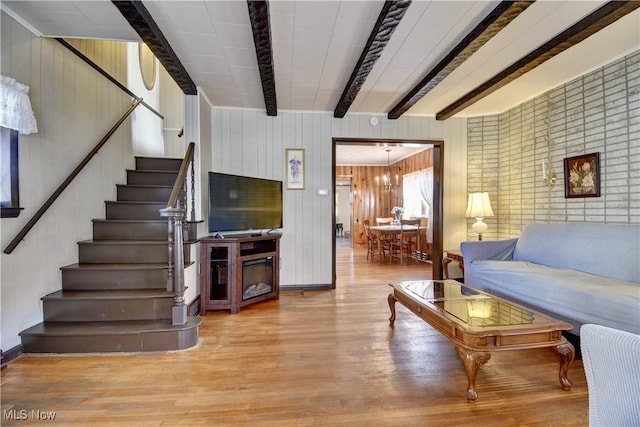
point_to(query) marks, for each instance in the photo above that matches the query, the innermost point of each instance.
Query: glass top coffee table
(479, 323)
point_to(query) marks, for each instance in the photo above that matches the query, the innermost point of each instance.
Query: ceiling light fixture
(387, 178)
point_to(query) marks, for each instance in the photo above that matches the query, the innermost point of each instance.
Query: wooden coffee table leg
(472, 361)
(445, 266)
(567, 353)
(392, 306)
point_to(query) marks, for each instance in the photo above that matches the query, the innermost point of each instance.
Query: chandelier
(387, 183)
(386, 179)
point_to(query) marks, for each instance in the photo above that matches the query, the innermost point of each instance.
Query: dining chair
(386, 239)
(423, 251)
(373, 248)
(384, 221)
(372, 240)
(409, 239)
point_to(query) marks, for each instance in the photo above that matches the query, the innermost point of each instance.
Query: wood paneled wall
(370, 200)
(247, 142)
(74, 107)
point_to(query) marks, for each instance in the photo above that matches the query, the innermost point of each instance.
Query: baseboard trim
(319, 287)
(9, 355)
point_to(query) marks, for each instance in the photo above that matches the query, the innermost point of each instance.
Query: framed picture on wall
(582, 176)
(295, 164)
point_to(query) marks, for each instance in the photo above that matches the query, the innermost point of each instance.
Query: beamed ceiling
(433, 58)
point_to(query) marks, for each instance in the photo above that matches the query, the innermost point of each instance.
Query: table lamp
(479, 207)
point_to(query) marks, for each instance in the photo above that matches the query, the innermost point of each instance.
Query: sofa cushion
(568, 295)
(608, 250)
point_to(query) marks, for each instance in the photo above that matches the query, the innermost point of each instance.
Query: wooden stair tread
(131, 242)
(116, 266)
(153, 170)
(175, 159)
(122, 327)
(144, 185)
(108, 294)
(137, 202)
(133, 220)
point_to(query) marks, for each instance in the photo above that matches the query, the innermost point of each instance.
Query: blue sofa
(577, 272)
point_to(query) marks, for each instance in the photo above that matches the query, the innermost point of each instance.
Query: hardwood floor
(325, 358)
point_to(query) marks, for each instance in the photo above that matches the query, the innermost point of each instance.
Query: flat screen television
(242, 203)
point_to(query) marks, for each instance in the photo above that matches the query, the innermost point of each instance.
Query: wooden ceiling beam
(495, 21)
(141, 21)
(591, 24)
(261, 27)
(389, 18)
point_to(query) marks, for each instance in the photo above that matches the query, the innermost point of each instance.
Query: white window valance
(15, 111)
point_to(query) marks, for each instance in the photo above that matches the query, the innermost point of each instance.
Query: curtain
(417, 189)
(411, 197)
(426, 191)
(16, 110)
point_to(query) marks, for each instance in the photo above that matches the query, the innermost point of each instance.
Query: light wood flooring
(323, 358)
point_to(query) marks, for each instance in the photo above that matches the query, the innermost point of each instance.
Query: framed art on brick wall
(582, 176)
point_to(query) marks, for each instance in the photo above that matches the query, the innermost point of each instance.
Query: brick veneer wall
(598, 112)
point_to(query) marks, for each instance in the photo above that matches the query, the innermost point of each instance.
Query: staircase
(115, 298)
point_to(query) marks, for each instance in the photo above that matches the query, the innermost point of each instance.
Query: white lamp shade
(479, 205)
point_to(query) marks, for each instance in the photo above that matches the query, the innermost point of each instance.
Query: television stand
(238, 270)
(248, 235)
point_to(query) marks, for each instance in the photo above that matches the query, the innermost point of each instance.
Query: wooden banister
(182, 176)
(47, 204)
(175, 239)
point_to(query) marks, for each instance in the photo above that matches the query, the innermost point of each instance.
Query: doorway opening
(357, 189)
(344, 212)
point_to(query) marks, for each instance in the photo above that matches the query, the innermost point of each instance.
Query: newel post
(193, 189)
(179, 309)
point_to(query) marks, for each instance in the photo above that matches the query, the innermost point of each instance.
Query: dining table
(390, 230)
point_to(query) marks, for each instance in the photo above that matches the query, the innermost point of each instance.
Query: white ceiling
(375, 155)
(316, 45)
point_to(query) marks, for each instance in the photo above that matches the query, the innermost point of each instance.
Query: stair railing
(175, 239)
(47, 204)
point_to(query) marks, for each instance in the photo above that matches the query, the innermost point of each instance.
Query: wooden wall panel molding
(603, 16)
(142, 22)
(261, 27)
(499, 18)
(389, 18)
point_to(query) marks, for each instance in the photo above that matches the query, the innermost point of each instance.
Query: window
(417, 196)
(9, 200)
(415, 203)
(15, 116)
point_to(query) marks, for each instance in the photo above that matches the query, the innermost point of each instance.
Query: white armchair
(611, 360)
